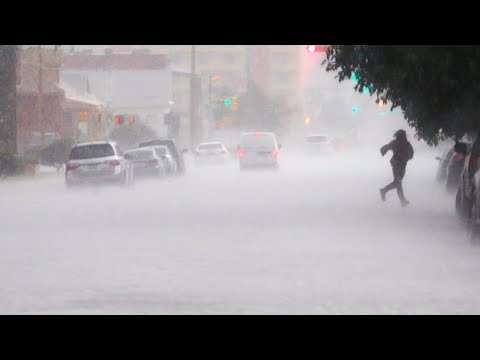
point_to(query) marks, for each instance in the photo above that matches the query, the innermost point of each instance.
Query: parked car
(318, 144)
(258, 149)
(468, 197)
(176, 153)
(169, 162)
(455, 165)
(97, 162)
(146, 163)
(441, 175)
(211, 153)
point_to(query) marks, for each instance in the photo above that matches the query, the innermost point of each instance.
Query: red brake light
(457, 157)
(71, 167)
(113, 163)
(258, 133)
(241, 153)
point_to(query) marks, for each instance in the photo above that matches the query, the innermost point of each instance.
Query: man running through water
(402, 153)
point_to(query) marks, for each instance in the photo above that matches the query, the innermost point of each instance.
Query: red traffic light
(119, 120)
(315, 48)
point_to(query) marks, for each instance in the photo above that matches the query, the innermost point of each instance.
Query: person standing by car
(402, 153)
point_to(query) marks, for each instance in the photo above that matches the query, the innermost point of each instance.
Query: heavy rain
(226, 179)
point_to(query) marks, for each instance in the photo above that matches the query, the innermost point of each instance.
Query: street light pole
(192, 100)
(40, 95)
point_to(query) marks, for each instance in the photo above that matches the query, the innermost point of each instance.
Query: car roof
(139, 149)
(211, 143)
(95, 143)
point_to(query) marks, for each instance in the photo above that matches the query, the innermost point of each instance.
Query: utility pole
(40, 95)
(192, 100)
(8, 98)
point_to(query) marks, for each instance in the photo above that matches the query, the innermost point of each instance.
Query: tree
(130, 136)
(258, 111)
(437, 87)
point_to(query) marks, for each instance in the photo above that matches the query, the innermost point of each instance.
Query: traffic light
(307, 120)
(119, 120)
(315, 48)
(234, 104)
(354, 110)
(227, 101)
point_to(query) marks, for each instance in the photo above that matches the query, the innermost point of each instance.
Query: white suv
(258, 149)
(97, 162)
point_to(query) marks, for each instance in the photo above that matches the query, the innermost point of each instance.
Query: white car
(211, 153)
(318, 144)
(258, 149)
(97, 162)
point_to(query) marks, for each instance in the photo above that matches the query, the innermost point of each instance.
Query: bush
(54, 154)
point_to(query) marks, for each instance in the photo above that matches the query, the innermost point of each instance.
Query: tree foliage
(437, 87)
(256, 110)
(130, 136)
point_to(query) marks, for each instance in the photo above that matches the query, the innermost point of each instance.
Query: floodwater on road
(310, 238)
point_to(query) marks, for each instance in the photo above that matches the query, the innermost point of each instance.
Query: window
(91, 151)
(161, 150)
(139, 154)
(282, 77)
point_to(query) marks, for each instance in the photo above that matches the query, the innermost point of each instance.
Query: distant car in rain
(163, 152)
(176, 153)
(146, 163)
(97, 162)
(258, 149)
(211, 153)
(455, 165)
(318, 144)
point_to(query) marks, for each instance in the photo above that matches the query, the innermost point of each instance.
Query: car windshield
(139, 154)
(91, 151)
(316, 139)
(213, 146)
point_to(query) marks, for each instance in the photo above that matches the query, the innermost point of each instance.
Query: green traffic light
(354, 110)
(227, 101)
